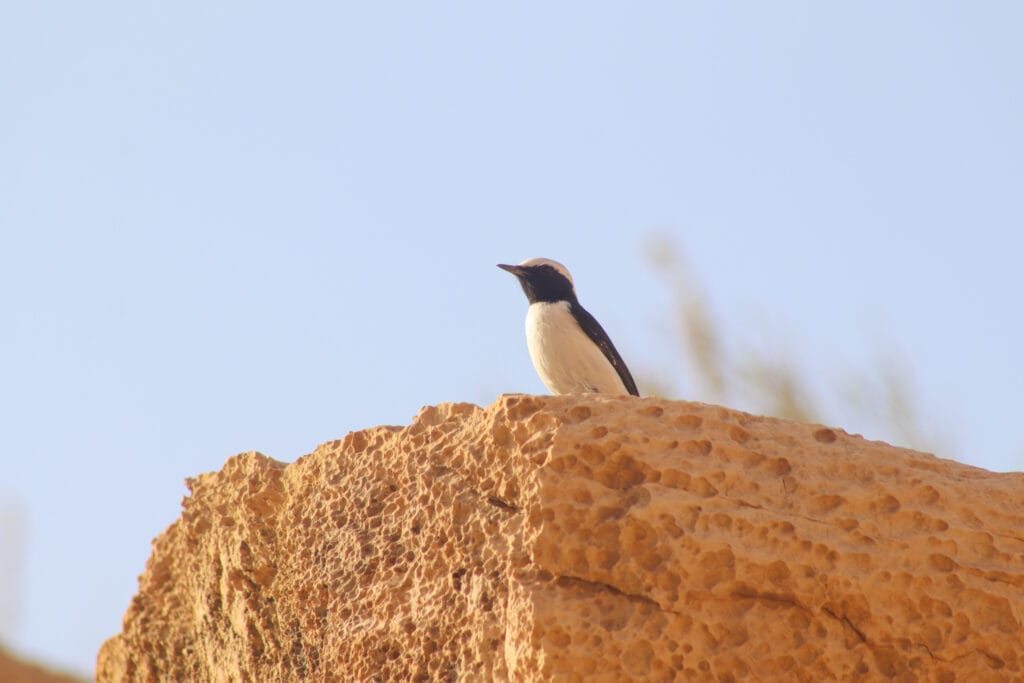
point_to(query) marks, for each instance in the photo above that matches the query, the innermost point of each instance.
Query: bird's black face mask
(544, 283)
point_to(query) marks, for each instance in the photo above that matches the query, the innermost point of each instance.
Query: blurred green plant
(767, 376)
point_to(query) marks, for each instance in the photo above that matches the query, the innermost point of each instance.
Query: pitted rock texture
(586, 539)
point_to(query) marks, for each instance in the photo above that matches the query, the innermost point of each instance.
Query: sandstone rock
(586, 538)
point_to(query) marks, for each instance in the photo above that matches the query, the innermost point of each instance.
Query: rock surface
(586, 538)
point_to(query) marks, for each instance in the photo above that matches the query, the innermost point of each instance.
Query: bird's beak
(515, 270)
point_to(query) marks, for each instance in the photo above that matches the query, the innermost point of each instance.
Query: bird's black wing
(597, 335)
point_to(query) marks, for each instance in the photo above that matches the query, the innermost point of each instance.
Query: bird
(570, 350)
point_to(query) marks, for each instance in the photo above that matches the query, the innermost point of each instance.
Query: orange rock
(586, 538)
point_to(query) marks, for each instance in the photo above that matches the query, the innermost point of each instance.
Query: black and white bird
(569, 349)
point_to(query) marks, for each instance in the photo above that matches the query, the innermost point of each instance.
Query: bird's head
(543, 280)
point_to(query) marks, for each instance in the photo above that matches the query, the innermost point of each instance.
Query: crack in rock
(565, 580)
(504, 505)
(845, 620)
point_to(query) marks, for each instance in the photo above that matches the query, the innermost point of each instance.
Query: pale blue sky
(236, 225)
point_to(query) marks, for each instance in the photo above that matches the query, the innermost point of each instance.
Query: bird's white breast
(567, 361)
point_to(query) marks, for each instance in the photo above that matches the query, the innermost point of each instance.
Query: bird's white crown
(548, 262)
